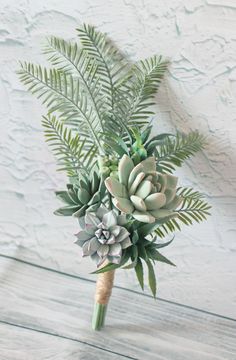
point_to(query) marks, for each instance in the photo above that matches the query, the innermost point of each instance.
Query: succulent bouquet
(120, 183)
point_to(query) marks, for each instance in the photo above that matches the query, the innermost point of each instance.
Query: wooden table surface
(46, 315)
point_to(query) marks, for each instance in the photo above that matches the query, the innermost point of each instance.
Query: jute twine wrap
(104, 287)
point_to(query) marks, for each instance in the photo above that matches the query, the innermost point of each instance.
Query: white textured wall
(199, 92)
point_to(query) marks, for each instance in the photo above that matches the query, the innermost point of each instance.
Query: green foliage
(193, 208)
(112, 72)
(61, 93)
(146, 251)
(69, 58)
(151, 278)
(142, 85)
(111, 63)
(146, 229)
(98, 109)
(92, 88)
(139, 272)
(111, 266)
(175, 150)
(86, 194)
(142, 251)
(73, 154)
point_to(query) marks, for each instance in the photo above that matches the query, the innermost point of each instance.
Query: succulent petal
(138, 203)
(90, 229)
(161, 213)
(136, 170)
(136, 183)
(80, 242)
(80, 211)
(149, 165)
(103, 250)
(144, 189)
(115, 250)
(109, 219)
(122, 235)
(114, 259)
(111, 240)
(101, 211)
(126, 165)
(83, 235)
(124, 205)
(171, 181)
(170, 195)
(143, 216)
(93, 245)
(174, 203)
(83, 196)
(126, 243)
(101, 260)
(155, 201)
(162, 181)
(91, 219)
(115, 187)
(115, 230)
(86, 250)
(82, 222)
(121, 219)
(95, 257)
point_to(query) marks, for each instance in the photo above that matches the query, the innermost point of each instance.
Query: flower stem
(110, 202)
(102, 295)
(99, 314)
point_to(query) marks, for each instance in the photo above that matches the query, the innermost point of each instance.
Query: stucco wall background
(199, 91)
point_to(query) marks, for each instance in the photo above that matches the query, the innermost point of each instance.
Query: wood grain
(137, 326)
(22, 344)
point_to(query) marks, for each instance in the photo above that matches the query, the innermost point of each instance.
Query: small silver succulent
(102, 236)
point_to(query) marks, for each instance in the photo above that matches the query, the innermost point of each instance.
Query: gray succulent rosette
(103, 236)
(142, 191)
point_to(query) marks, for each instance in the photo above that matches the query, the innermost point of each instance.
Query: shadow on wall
(214, 168)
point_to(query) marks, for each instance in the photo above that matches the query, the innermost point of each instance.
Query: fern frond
(69, 58)
(173, 151)
(63, 94)
(112, 65)
(193, 208)
(141, 87)
(189, 193)
(74, 154)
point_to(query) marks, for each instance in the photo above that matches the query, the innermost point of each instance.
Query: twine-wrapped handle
(102, 295)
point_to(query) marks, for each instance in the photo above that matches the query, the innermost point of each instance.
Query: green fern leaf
(72, 153)
(112, 64)
(192, 209)
(62, 93)
(69, 58)
(112, 71)
(173, 151)
(141, 87)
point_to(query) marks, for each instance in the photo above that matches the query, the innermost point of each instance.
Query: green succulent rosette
(84, 195)
(142, 191)
(102, 236)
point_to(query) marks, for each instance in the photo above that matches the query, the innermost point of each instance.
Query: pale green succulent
(103, 236)
(85, 195)
(108, 166)
(142, 191)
